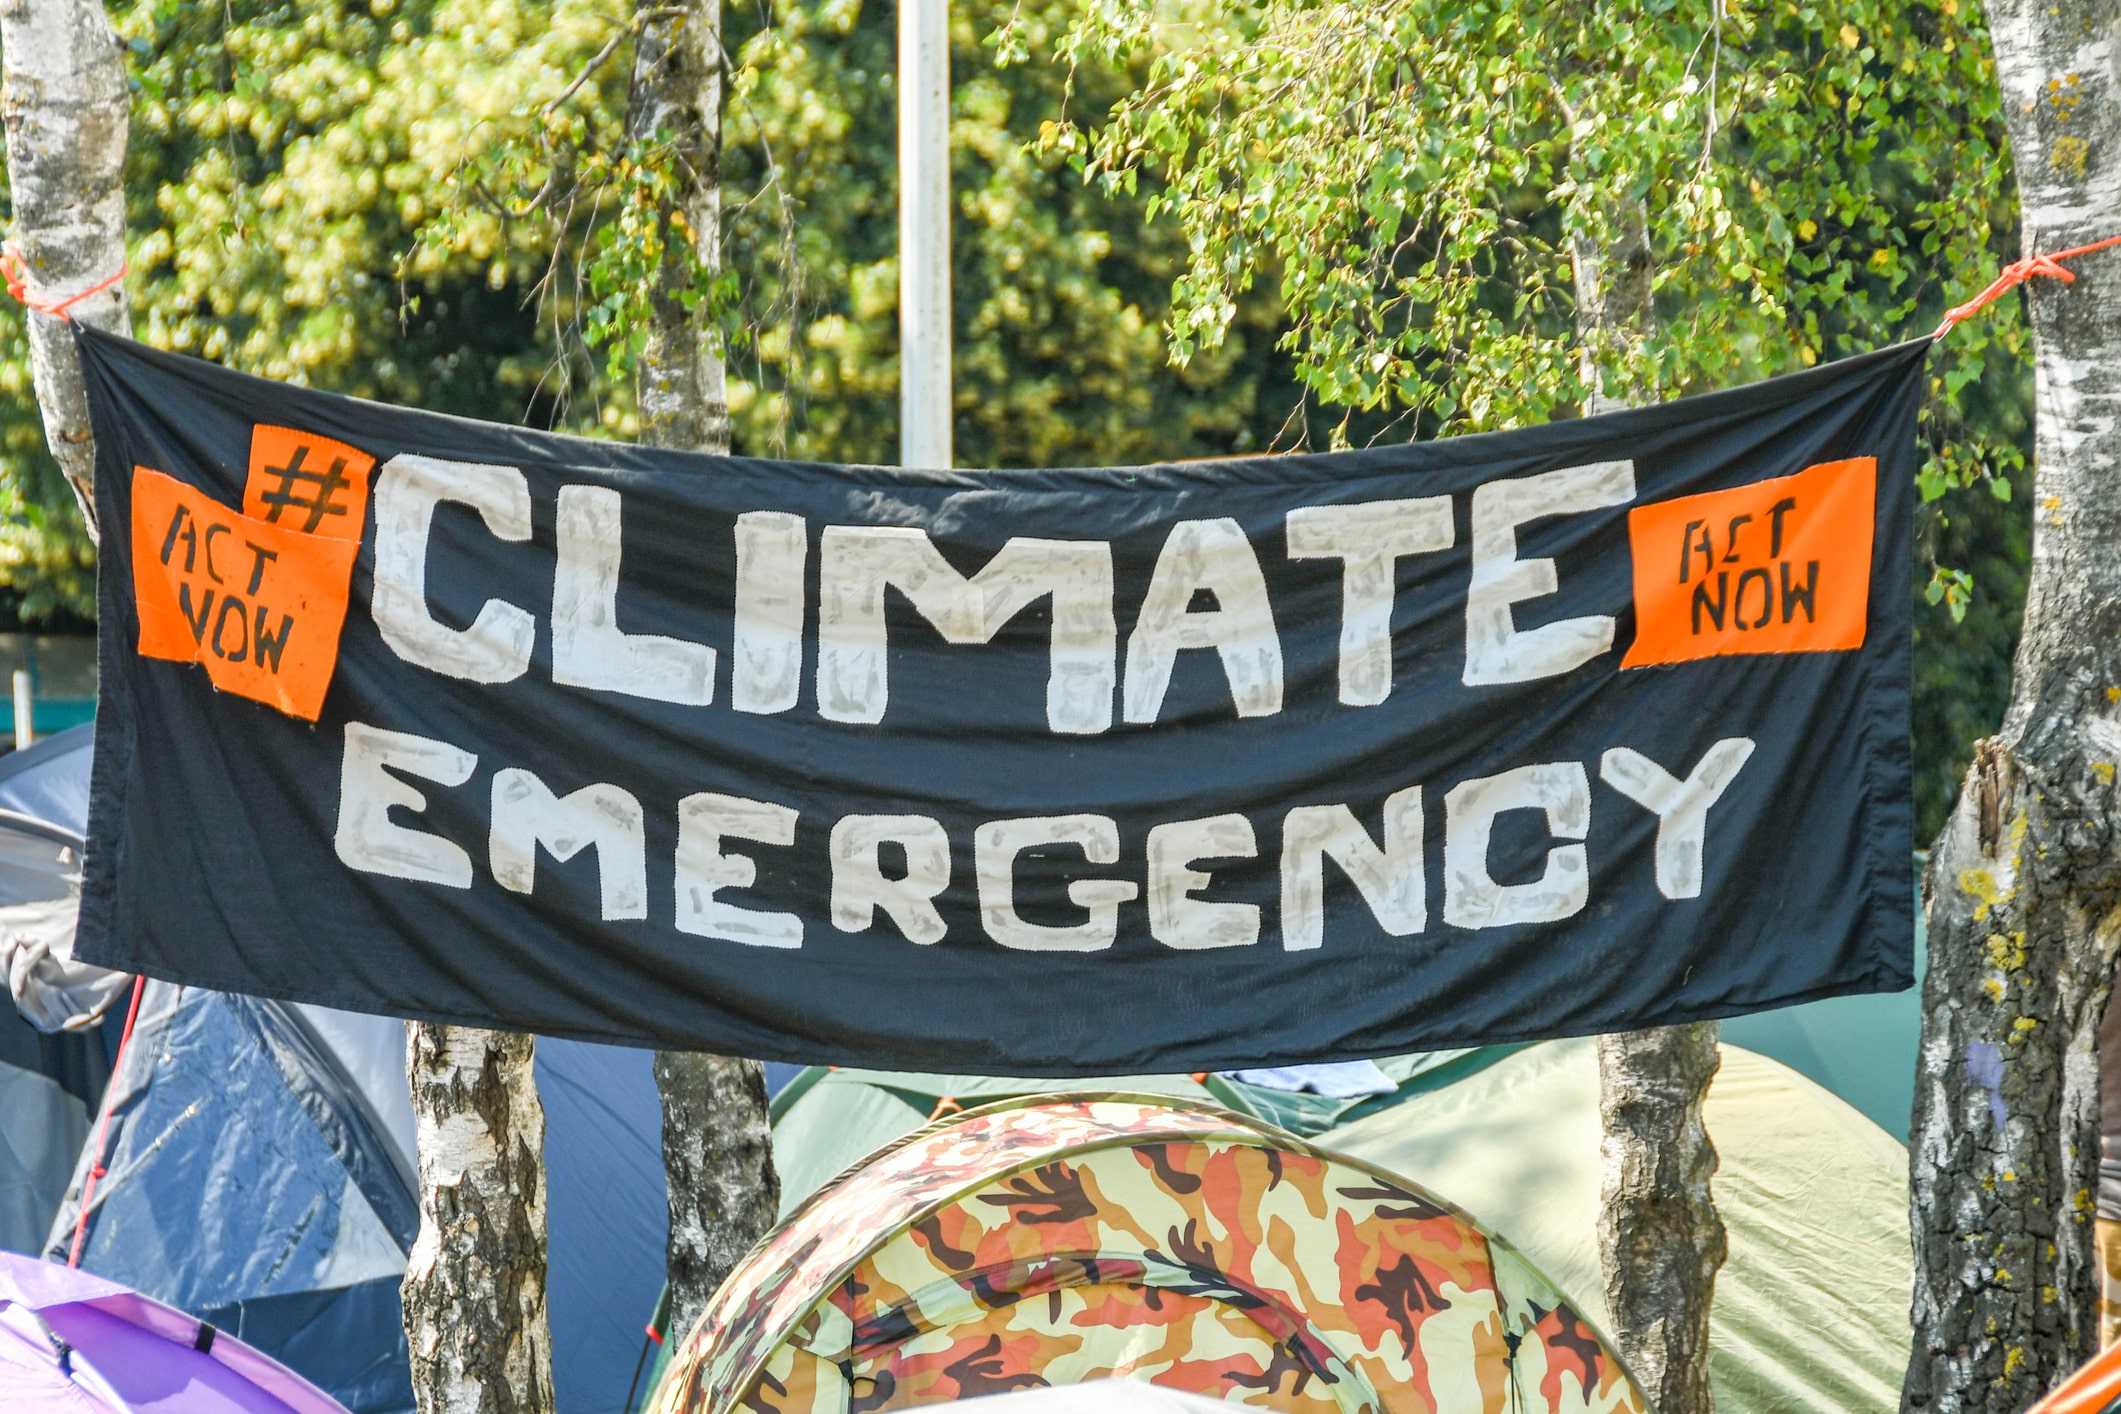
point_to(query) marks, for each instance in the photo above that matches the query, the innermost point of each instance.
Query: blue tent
(251, 1184)
(255, 1182)
(260, 1172)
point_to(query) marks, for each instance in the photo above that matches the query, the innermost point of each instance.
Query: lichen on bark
(674, 112)
(718, 1159)
(1660, 1241)
(2023, 888)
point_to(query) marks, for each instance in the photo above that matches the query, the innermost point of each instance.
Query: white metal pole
(25, 711)
(924, 232)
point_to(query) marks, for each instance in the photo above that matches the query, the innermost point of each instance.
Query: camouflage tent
(1075, 1238)
(1811, 1310)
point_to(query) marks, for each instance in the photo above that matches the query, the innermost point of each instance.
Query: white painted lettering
(1681, 807)
(996, 845)
(1176, 918)
(1369, 538)
(860, 887)
(367, 839)
(496, 648)
(1391, 880)
(766, 652)
(1497, 651)
(1211, 555)
(588, 650)
(1471, 897)
(704, 869)
(858, 563)
(602, 817)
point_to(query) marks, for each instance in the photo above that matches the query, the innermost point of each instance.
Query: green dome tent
(1811, 1309)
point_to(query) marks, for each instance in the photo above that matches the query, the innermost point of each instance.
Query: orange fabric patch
(1781, 566)
(258, 597)
(304, 482)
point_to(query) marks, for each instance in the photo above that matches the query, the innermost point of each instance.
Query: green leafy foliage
(433, 202)
(1422, 178)
(283, 159)
(1815, 183)
(1329, 220)
(1058, 288)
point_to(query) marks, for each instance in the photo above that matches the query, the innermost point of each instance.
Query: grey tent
(49, 1083)
(47, 1086)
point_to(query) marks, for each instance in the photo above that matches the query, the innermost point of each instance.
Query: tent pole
(924, 233)
(95, 1166)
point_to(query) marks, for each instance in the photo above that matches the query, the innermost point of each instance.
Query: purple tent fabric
(125, 1354)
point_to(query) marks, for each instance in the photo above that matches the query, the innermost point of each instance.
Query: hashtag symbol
(287, 496)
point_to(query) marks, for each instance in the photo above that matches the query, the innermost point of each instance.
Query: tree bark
(1660, 1242)
(2023, 888)
(718, 1158)
(1614, 307)
(63, 99)
(676, 105)
(717, 1140)
(474, 1289)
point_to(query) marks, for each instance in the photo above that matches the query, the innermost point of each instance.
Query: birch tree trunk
(474, 1290)
(718, 1159)
(2023, 889)
(64, 102)
(677, 99)
(1660, 1241)
(717, 1140)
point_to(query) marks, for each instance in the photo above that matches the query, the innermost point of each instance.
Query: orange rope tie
(2017, 273)
(18, 284)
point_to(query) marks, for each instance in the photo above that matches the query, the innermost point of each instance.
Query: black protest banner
(1579, 728)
